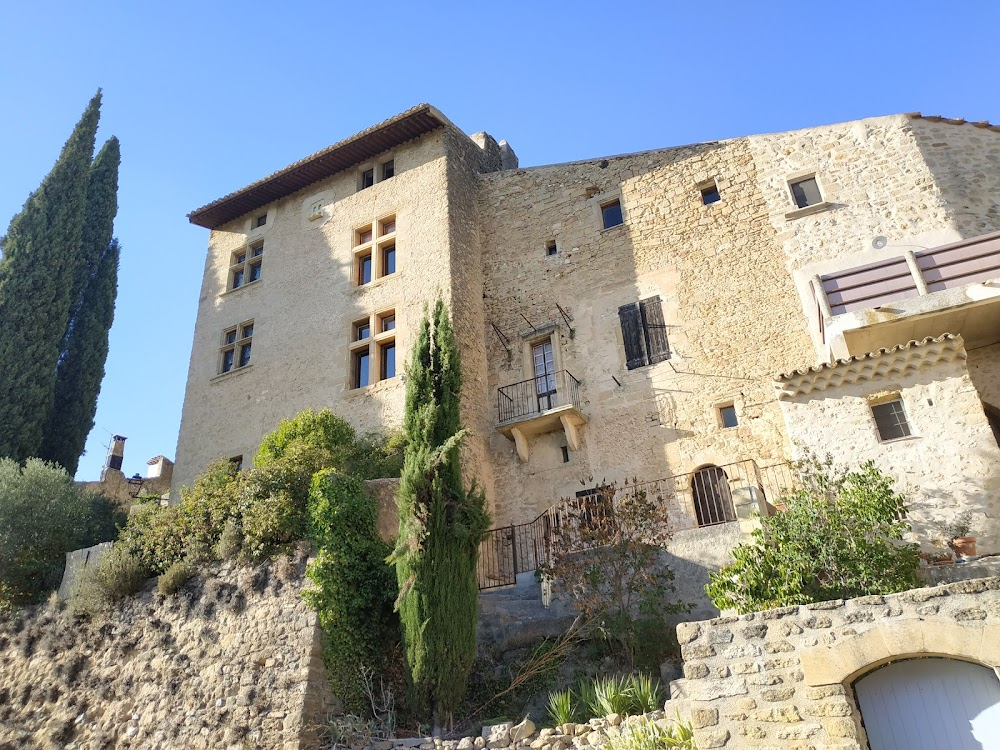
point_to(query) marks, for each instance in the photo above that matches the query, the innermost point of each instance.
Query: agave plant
(645, 693)
(611, 696)
(561, 706)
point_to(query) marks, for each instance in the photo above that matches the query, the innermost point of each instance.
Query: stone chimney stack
(116, 454)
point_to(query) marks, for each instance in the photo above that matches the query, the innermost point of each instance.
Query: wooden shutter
(635, 348)
(656, 330)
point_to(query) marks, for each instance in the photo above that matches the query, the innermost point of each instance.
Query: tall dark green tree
(37, 271)
(441, 523)
(84, 348)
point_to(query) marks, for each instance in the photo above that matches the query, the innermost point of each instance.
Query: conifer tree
(441, 523)
(40, 252)
(85, 345)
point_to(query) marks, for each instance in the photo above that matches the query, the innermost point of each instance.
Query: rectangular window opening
(367, 179)
(261, 221)
(728, 416)
(806, 192)
(387, 322)
(236, 347)
(388, 169)
(387, 226)
(551, 248)
(362, 330)
(364, 269)
(387, 360)
(565, 454)
(360, 368)
(388, 260)
(710, 194)
(612, 214)
(890, 420)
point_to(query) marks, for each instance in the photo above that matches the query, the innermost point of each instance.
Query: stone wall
(783, 678)
(232, 660)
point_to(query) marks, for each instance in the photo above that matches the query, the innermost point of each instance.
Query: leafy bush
(174, 577)
(840, 537)
(354, 587)
(561, 706)
(231, 540)
(648, 735)
(645, 693)
(43, 515)
(118, 574)
(611, 696)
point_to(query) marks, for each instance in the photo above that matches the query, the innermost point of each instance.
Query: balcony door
(545, 374)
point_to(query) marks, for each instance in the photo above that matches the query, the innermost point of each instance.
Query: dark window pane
(237, 279)
(612, 214)
(367, 178)
(231, 336)
(389, 260)
(551, 248)
(363, 331)
(891, 420)
(241, 258)
(262, 220)
(389, 322)
(365, 236)
(227, 360)
(728, 414)
(245, 355)
(806, 193)
(365, 269)
(247, 331)
(255, 272)
(361, 369)
(388, 169)
(258, 251)
(710, 195)
(389, 361)
(388, 226)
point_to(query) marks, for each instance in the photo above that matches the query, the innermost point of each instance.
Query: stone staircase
(514, 616)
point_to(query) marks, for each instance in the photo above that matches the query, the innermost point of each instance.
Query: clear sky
(209, 96)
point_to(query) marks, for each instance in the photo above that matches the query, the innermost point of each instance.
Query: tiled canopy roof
(913, 355)
(340, 156)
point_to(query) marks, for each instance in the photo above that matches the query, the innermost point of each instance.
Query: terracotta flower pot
(964, 546)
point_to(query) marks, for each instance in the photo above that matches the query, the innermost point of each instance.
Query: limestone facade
(523, 256)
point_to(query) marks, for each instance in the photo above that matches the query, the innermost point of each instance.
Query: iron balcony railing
(705, 497)
(537, 395)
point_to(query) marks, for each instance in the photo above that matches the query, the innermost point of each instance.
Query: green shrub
(840, 537)
(648, 735)
(611, 696)
(118, 574)
(312, 432)
(174, 577)
(561, 706)
(354, 587)
(231, 540)
(43, 515)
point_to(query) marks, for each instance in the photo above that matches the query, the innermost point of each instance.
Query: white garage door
(929, 704)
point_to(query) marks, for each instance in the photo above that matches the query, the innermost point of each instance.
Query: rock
(479, 742)
(466, 743)
(523, 730)
(568, 729)
(539, 743)
(547, 732)
(497, 735)
(614, 720)
(583, 729)
(131, 732)
(596, 738)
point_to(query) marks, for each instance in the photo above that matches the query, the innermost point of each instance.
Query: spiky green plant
(644, 692)
(561, 706)
(612, 696)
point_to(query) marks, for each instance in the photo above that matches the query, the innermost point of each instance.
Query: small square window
(261, 221)
(612, 214)
(359, 373)
(388, 260)
(728, 416)
(710, 194)
(388, 226)
(806, 192)
(241, 258)
(231, 336)
(550, 247)
(364, 236)
(890, 420)
(256, 251)
(362, 330)
(388, 169)
(247, 331)
(364, 269)
(387, 322)
(387, 359)
(367, 179)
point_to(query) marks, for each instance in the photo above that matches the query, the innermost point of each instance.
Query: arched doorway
(713, 500)
(928, 704)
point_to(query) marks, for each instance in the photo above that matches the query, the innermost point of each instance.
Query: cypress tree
(441, 523)
(85, 343)
(39, 264)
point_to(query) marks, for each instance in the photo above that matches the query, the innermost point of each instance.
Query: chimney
(116, 454)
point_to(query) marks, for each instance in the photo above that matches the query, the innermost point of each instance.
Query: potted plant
(959, 532)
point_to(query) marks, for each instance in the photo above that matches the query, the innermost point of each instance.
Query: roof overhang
(357, 149)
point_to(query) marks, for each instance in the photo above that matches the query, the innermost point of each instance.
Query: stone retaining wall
(783, 678)
(232, 660)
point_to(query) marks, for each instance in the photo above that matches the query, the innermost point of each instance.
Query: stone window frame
(824, 193)
(235, 345)
(880, 399)
(373, 240)
(377, 168)
(548, 332)
(705, 186)
(599, 201)
(250, 260)
(720, 418)
(374, 344)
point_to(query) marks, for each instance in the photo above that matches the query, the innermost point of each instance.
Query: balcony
(541, 404)
(949, 289)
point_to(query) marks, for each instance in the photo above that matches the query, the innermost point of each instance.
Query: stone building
(627, 317)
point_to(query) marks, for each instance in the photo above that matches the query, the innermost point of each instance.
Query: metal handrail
(537, 395)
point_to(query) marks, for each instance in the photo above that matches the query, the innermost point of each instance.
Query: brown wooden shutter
(635, 347)
(656, 330)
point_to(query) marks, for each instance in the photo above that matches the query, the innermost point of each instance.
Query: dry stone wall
(232, 660)
(783, 678)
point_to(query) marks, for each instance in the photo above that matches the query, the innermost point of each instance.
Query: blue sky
(207, 97)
